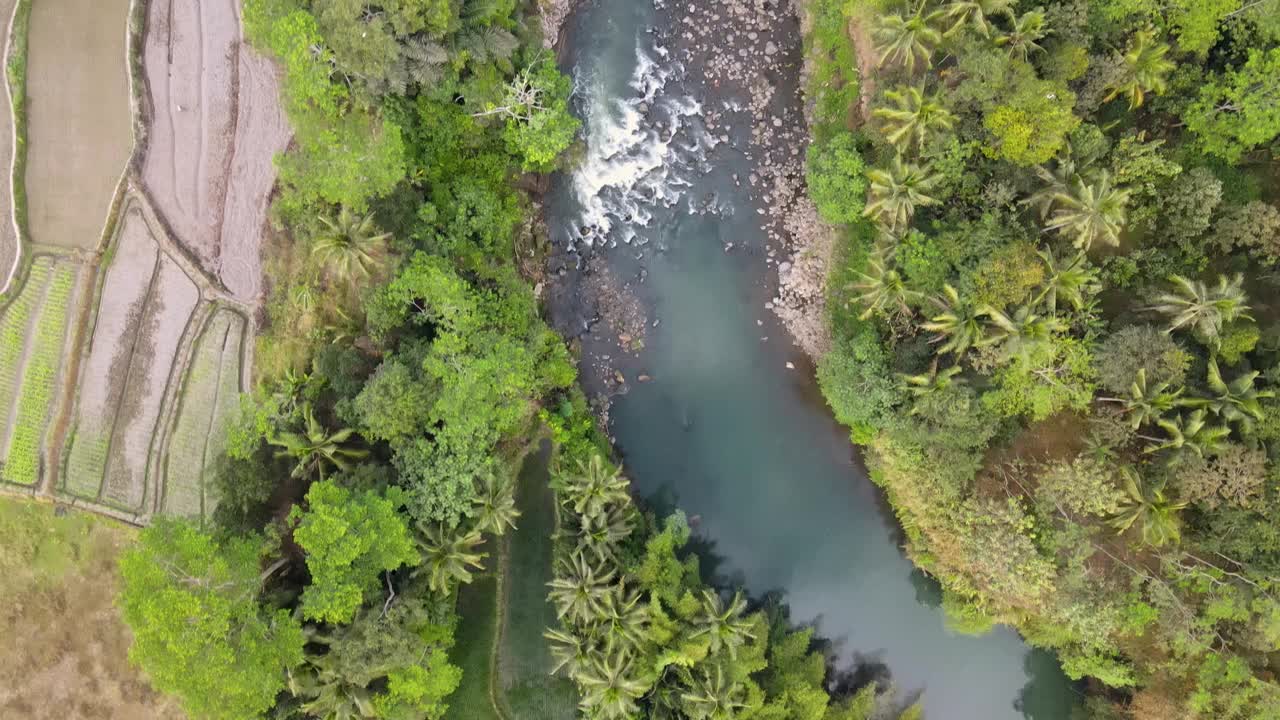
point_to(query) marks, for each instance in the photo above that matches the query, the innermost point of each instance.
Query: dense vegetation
(400, 376)
(404, 374)
(1053, 324)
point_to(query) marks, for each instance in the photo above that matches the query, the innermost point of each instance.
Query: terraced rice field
(34, 337)
(147, 302)
(210, 393)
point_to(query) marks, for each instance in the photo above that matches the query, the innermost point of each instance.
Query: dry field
(216, 124)
(59, 579)
(78, 118)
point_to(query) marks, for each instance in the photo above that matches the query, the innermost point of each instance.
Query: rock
(783, 267)
(791, 365)
(770, 48)
(643, 378)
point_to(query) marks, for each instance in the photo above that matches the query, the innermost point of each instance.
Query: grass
(834, 84)
(210, 392)
(39, 380)
(473, 650)
(65, 649)
(529, 692)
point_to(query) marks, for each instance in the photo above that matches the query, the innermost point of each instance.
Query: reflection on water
(725, 430)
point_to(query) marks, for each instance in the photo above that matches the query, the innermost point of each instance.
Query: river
(715, 410)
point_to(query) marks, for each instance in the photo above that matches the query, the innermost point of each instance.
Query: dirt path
(868, 64)
(215, 125)
(79, 120)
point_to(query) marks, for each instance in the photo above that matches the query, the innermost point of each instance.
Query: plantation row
(33, 343)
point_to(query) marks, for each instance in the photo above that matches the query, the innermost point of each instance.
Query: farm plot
(78, 118)
(33, 346)
(210, 393)
(216, 124)
(147, 302)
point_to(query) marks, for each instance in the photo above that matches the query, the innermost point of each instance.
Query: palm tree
(1236, 401)
(908, 40)
(1023, 332)
(896, 192)
(326, 693)
(932, 382)
(881, 288)
(1192, 304)
(315, 448)
(448, 555)
(959, 325)
(594, 487)
(714, 697)
(1021, 39)
(1147, 505)
(1072, 281)
(723, 625)
(1090, 212)
(496, 503)
(610, 687)
(624, 618)
(351, 248)
(570, 651)
(1146, 69)
(579, 590)
(1057, 182)
(1150, 404)
(600, 534)
(977, 13)
(1191, 433)
(913, 119)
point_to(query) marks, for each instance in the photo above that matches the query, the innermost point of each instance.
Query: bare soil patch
(215, 126)
(79, 120)
(147, 301)
(65, 650)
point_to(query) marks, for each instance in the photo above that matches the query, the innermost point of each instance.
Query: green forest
(1053, 337)
(404, 377)
(1054, 324)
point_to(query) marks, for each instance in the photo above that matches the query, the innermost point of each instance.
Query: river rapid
(662, 271)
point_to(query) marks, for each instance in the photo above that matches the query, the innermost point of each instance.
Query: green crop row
(210, 390)
(39, 380)
(14, 320)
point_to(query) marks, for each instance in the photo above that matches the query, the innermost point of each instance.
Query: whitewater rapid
(643, 151)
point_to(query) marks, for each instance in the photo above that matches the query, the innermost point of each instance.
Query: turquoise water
(725, 429)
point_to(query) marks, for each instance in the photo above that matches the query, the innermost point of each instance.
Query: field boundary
(17, 136)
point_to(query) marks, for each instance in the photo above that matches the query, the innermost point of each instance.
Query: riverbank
(714, 410)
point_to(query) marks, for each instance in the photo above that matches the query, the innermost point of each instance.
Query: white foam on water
(642, 152)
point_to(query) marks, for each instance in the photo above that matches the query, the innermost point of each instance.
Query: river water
(719, 424)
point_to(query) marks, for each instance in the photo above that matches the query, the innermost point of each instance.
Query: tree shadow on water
(1048, 694)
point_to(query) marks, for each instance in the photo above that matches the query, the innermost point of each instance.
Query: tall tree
(1147, 505)
(722, 624)
(350, 538)
(1240, 109)
(1237, 401)
(880, 287)
(1072, 281)
(199, 631)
